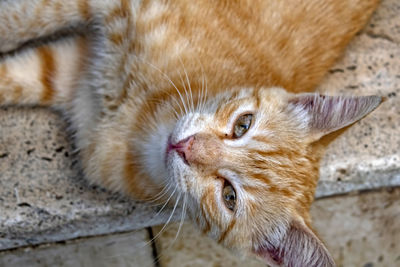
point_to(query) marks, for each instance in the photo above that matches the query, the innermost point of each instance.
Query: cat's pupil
(242, 125)
(229, 195)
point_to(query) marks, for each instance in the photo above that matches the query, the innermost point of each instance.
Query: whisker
(203, 92)
(160, 195)
(186, 92)
(188, 82)
(169, 80)
(167, 222)
(160, 232)
(166, 202)
(168, 105)
(182, 219)
(177, 103)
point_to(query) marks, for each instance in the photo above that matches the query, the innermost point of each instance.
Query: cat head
(247, 166)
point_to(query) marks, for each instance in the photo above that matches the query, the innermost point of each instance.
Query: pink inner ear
(270, 254)
(329, 113)
(299, 247)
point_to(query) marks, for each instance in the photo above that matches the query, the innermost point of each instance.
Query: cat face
(248, 167)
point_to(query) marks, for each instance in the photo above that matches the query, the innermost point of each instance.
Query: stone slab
(123, 250)
(367, 155)
(361, 229)
(190, 248)
(43, 198)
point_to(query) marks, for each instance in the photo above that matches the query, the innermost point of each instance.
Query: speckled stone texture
(43, 198)
(367, 155)
(120, 250)
(361, 229)
(192, 249)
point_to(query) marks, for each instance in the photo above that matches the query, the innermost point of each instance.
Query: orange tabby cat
(181, 101)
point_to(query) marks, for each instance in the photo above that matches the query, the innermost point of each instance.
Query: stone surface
(367, 155)
(359, 230)
(43, 198)
(122, 250)
(42, 195)
(193, 249)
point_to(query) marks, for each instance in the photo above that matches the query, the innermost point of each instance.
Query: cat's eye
(242, 125)
(229, 195)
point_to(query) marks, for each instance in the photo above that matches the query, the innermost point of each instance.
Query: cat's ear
(299, 247)
(325, 114)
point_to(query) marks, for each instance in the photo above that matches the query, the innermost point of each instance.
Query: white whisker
(159, 196)
(203, 89)
(190, 87)
(182, 218)
(166, 202)
(169, 219)
(186, 92)
(170, 81)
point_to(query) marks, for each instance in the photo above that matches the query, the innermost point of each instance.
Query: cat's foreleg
(44, 75)
(22, 21)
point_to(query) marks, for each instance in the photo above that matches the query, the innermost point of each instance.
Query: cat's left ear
(324, 114)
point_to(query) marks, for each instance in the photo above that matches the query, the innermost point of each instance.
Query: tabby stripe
(207, 228)
(256, 95)
(213, 211)
(231, 98)
(280, 191)
(84, 9)
(17, 92)
(48, 69)
(207, 216)
(130, 174)
(205, 211)
(116, 38)
(39, 9)
(58, 9)
(275, 153)
(225, 233)
(3, 71)
(3, 74)
(261, 177)
(83, 53)
(253, 190)
(226, 112)
(261, 139)
(116, 13)
(149, 106)
(125, 88)
(254, 53)
(136, 181)
(125, 8)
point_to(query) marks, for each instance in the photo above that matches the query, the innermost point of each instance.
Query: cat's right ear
(323, 114)
(298, 247)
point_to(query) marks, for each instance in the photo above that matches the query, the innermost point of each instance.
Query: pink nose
(183, 148)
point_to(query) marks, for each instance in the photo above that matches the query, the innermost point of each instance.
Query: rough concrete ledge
(367, 155)
(44, 199)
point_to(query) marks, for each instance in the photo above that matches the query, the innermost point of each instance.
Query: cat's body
(154, 91)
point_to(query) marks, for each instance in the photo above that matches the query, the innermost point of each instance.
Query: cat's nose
(184, 148)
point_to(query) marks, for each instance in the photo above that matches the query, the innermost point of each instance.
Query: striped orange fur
(180, 102)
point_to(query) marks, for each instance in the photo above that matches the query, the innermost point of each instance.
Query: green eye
(242, 125)
(229, 195)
